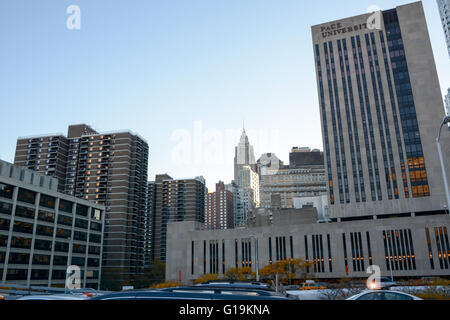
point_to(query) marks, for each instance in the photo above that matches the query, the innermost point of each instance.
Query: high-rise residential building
(44, 154)
(219, 209)
(43, 231)
(174, 200)
(444, 10)
(381, 108)
(303, 177)
(244, 156)
(447, 105)
(107, 168)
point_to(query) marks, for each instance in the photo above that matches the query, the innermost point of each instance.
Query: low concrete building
(43, 231)
(412, 246)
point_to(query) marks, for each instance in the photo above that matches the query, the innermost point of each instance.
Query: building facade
(303, 177)
(108, 169)
(43, 231)
(219, 214)
(444, 10)
(243, 203)
(174, 200)
(381, 108)
(410, 248)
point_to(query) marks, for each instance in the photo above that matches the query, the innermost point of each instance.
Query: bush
(170, 284)
(206, 278)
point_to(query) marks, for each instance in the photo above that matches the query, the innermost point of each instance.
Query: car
(54, 297)
(236, 285)
(196, 294)
(312, 286)
(384, 295)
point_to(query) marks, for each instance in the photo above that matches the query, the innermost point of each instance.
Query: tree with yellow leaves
(240, 274)
(287, 270)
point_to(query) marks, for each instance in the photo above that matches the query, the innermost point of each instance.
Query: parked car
(383, 295)
(236, 285)
(383, 283)
(54, 297)
(312, 286)
(191, 293)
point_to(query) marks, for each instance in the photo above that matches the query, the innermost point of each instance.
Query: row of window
(357, 251)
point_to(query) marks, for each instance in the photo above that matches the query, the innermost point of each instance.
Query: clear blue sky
(156, 67)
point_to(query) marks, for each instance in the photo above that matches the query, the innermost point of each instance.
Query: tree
(206, 278)
(287, 270)
(153, 274)
(240, 274)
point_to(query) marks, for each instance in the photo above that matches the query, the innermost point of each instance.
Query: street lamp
(441, 158)
(256, 256)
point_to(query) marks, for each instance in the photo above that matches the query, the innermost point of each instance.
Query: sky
(186, 75)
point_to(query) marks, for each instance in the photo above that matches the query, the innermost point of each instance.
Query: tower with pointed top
(244, 156)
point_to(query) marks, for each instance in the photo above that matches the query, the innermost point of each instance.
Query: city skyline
(105, 75)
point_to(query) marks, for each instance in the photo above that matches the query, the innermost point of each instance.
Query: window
(81, 223)
(17, 274)
(41, 259)
(44, 245)
(95, 238)
(19, 258)
(5, 208)
(6, 191)
(65, 206)
(44, 231)
(25, 212)
(82, 236)
(46, 216)
(63, 233)
(61, 246)
(26, 196)
(79, 248)
(4, 224)
(47, 201)
(94, 250)
(21, 242)
(23, 227)
(65, 220)
(60, 260)
(82, 210)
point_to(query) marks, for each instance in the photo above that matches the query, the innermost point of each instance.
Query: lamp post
(441, 158)
(256, 256)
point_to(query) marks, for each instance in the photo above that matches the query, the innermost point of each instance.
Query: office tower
(106, 168)
(219, 209)
(174, 200)
(42, 231)
(249, 179)
(244, 156)
(444, 10)
(303, 177)
(381, 108)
